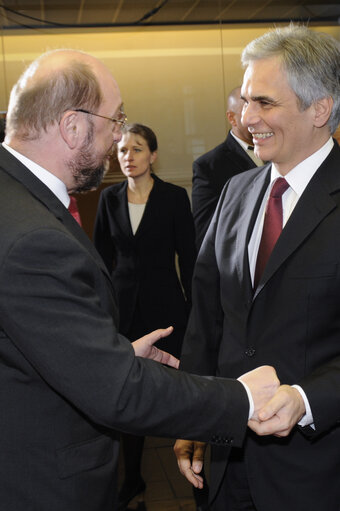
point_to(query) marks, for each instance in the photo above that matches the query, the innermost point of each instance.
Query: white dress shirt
(50, 180)
(298, 179)
(136, 212)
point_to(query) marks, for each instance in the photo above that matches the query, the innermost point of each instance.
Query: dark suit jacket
(143, 265)
(291, 322)
(211, 171)
(67, 378)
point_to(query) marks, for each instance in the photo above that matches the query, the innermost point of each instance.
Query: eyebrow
(260, 98)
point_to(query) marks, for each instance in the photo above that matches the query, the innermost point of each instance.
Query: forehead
(112, 100)
(131, 139)
(262, 76)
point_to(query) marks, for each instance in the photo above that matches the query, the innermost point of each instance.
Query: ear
(322, 111)
(153, 157)
(70, 128)
(231, 117)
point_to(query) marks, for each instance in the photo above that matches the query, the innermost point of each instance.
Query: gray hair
(311, 60)
(38, 100)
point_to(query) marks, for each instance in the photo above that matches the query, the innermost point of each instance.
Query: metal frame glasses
(121, 122)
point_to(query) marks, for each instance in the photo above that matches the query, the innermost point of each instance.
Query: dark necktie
(250, 147)
(73, 209)
(272, 227)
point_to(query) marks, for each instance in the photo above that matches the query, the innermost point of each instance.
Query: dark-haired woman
(141, 225)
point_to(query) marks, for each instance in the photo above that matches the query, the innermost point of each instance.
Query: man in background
(213, 169)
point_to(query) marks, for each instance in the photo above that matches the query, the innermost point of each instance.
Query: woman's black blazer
(143, 265)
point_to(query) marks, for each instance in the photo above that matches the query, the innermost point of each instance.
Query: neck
(139, 189)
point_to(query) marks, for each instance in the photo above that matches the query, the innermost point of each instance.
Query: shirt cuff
(251, 401)
(307, 419)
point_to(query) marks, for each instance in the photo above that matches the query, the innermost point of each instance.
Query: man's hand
(262, 383)
(144, 347)
(190, 457)
(280, 414)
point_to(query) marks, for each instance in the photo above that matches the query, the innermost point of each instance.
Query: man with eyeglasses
(68, 380)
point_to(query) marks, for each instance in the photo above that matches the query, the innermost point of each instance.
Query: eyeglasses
(121, 121)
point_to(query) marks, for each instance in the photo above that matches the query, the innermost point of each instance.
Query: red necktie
(272, 227)
(73, 209)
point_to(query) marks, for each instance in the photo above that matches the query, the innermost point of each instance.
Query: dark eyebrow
(268, 99)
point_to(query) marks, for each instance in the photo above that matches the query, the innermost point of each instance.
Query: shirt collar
(299, 177)
(50, 180)
(240, 141)
(258, 162)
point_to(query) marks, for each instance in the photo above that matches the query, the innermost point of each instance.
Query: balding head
(57, 81)
(62, 115)
(234, 114)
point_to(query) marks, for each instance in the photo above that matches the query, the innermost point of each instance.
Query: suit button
(250, 352)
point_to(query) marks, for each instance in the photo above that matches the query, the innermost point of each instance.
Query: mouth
(261, 136)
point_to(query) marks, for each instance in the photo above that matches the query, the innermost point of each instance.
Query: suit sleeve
(101, 235)
(56, 306)
(322, 388)
(185, 242)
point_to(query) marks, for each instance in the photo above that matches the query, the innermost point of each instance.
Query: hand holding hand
(190, 457)
(262, 383)
(280, 414)
(144, 347)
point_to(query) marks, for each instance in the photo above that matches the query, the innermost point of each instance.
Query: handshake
(276, 410)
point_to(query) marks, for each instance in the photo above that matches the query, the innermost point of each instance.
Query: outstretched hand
(144, 347)
(280, 414)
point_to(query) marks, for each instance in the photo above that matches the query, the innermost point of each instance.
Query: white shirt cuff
(307, 419)
(251, 401)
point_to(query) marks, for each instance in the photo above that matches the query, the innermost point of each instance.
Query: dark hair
(144, 132)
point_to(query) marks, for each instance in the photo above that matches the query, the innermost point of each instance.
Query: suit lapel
(250, 204)
(314, 205)
(120, 210)
(150, 212)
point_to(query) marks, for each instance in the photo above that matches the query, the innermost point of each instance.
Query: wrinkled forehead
(261, 75)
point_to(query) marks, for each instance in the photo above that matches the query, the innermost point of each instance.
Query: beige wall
(173, 79)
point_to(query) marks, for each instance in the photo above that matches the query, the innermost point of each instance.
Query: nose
(117, 137)
(250, 114)
(128, 155)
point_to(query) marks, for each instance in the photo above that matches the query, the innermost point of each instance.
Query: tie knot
(279, 188)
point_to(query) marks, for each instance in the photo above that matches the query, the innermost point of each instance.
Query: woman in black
(141, 225)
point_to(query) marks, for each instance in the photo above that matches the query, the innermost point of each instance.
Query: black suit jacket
(143, 265)
(211, 171)
(291, 322)
(67, 378)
